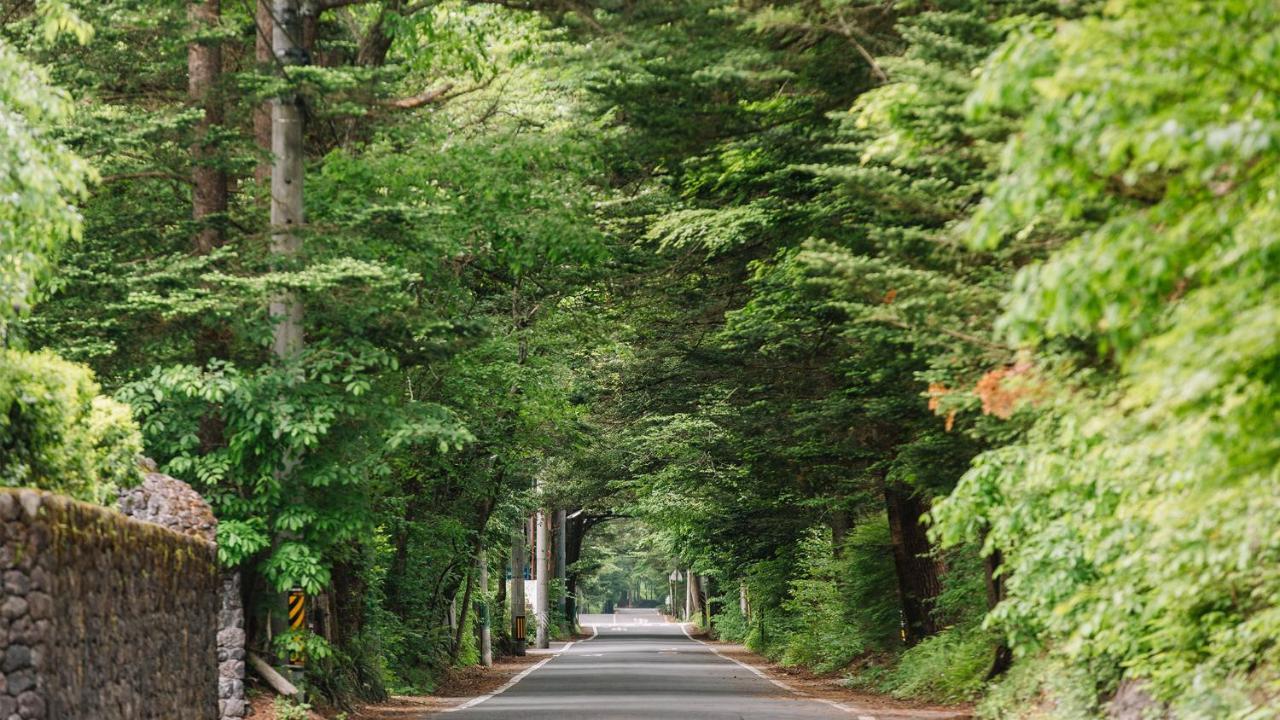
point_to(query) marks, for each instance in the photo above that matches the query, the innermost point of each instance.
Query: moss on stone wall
(115, 616)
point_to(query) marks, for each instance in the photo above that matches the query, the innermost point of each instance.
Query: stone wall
(104, 617)
(166, 501)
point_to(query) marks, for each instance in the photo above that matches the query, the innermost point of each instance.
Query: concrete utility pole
(486, 633)
(561, 571)
(287, 214)
(287, 209)
(544, 580)
(517, 592)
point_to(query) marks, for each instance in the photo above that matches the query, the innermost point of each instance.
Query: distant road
(640, 667)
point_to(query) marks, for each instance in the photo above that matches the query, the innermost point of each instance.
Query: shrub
(287, 709)
(58, 433)
(949, 666)
(842, 606)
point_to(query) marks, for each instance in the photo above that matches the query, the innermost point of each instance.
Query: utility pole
(287, 209)
(517, 593)
(561, 571)
(486, 633)
(287, 214)
(543, 638)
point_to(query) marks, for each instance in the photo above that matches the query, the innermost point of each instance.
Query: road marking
(760, 674)
(523, 673)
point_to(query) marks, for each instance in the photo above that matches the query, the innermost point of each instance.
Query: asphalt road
(639, 667)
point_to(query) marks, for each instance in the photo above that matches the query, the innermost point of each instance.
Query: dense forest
(935, 343)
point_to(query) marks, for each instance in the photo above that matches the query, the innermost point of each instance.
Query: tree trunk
(208, 180)
(517, 592)
(461, 620)
(689, 595)
(482, 612)
(559, 556)
(500, 610)
(840, 524)
(208, 176)
(376, 43)
(704, 594)
(575, 529)
(1003, 659)
(697, 604)
(917, 571)
(541, 606)
(265, 58)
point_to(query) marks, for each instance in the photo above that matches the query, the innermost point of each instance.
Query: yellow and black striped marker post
(297, 620)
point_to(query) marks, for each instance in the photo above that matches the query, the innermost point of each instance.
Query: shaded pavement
(638, 666)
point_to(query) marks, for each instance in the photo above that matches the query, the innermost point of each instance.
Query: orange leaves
(1003, 389)
(936, 392)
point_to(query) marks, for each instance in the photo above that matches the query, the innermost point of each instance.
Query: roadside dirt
(458, 687)
(262, 707)
(827, 687)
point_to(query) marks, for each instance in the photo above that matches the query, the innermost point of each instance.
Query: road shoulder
(826, 688)
(458, 688)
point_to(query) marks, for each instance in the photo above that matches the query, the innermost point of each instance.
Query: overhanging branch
(434, 96)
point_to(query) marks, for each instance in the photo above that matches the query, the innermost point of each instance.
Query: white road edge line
(523, 673)
(761, 674)
(477, 700)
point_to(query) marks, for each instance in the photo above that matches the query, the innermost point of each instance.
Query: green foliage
(301, 643)
(1035, 681)
(1129, 516)
(59, 433)
(841, 605)
(755, 277)
(437, 246)
(40, 180)
(950, 666)
(286, 709)
(622, 567)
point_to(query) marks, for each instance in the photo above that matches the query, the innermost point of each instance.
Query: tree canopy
(935, 344)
